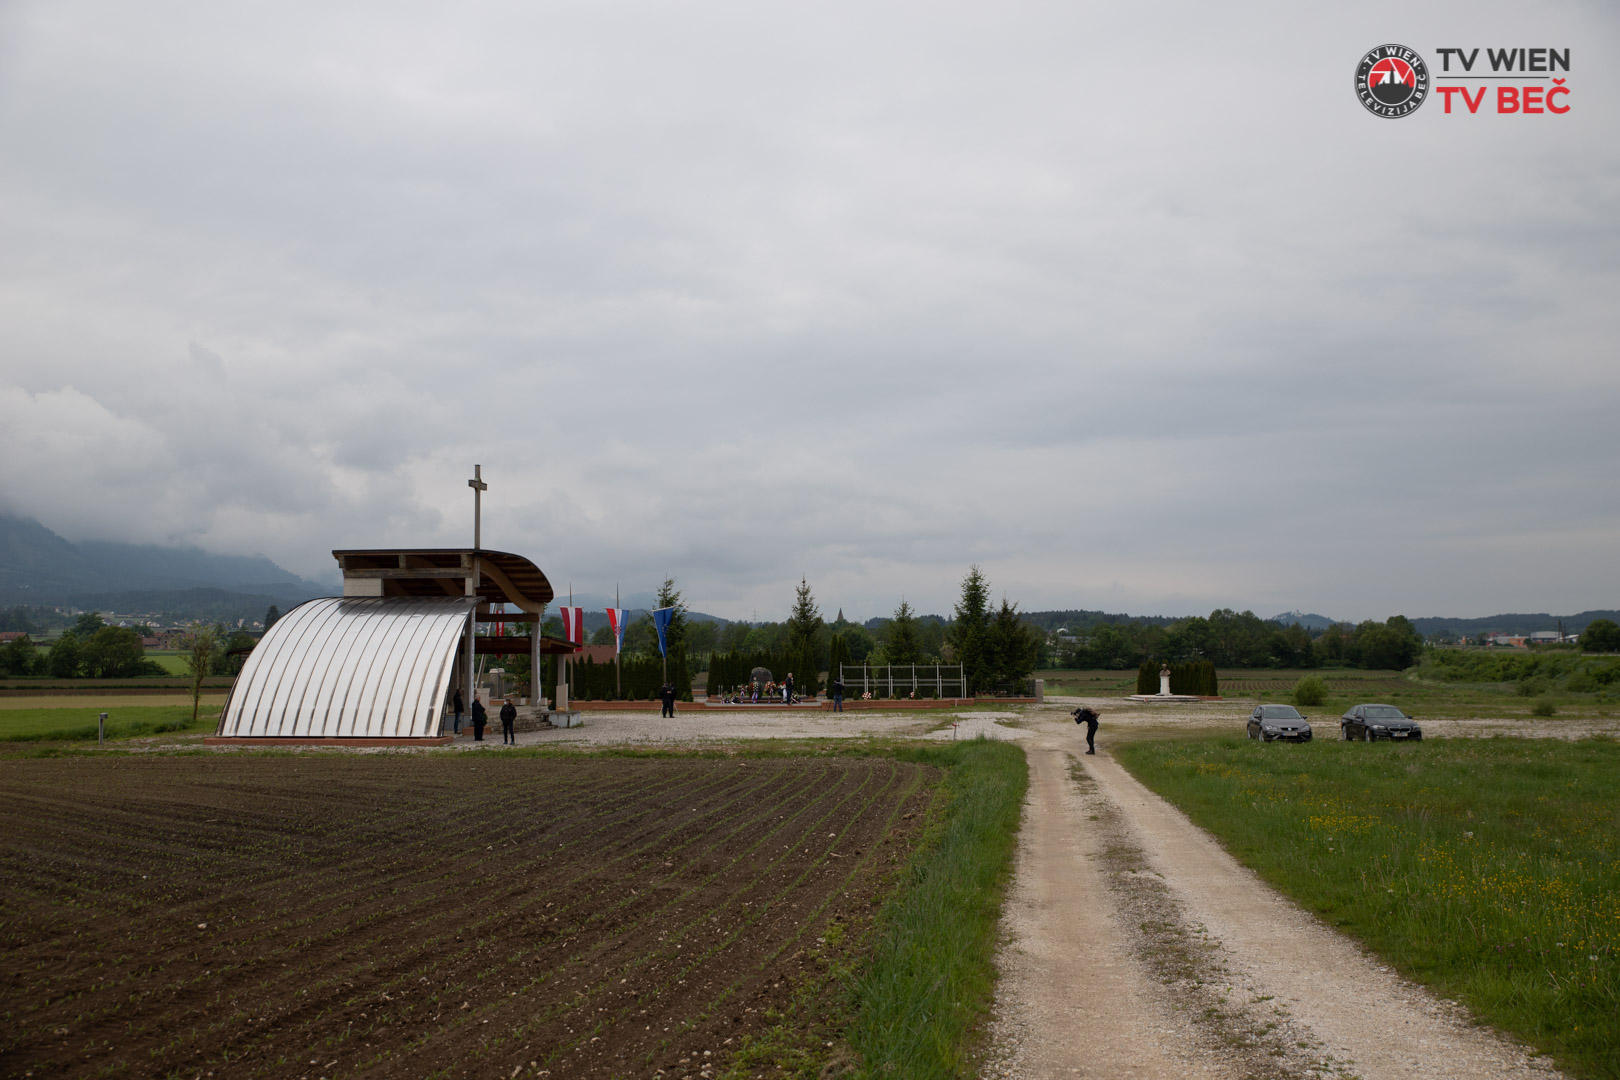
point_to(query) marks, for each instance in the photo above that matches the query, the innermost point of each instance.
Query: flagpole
(618, 636)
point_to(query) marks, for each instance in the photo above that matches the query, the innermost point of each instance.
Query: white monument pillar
(1164, 681)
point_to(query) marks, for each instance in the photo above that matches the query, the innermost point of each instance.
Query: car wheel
(1344, 732)
(1264, 737)
(1366, 735)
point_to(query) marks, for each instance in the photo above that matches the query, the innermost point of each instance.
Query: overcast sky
(1131, 304)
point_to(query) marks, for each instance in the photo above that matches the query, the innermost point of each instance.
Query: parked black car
(1370, 722)
(1269, 722)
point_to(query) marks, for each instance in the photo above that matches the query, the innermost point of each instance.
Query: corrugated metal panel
(350, 667)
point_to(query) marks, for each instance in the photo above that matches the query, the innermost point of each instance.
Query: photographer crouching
(1088, 716)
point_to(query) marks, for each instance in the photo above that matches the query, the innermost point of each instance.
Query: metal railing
(903, 680)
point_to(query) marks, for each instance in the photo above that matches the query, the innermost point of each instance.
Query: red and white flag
(573, 619)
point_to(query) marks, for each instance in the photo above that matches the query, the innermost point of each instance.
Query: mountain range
(40, 568)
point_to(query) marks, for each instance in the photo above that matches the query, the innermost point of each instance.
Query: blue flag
(661, 617)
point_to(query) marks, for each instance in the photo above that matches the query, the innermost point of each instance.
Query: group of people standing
(480, 718)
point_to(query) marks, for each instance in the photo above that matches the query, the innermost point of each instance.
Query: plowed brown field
(239, 916)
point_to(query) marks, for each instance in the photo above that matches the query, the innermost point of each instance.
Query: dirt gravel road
(1136, 947)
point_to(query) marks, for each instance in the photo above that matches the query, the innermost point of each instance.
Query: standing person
(456, 705)
(787, 690)
(508, 716)
(480, 718)
(1088, 717)
(666, 694)
(837, 689)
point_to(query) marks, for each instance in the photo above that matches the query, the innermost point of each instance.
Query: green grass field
(79, 722)
(1347, 687)
(1485, 868)
(171, 661)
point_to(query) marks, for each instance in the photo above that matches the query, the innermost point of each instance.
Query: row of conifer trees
(642, 676)
(1196, 677)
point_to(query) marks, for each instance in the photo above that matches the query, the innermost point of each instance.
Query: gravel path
(1138, 947)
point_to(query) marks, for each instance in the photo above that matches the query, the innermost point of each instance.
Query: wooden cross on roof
(479, 487)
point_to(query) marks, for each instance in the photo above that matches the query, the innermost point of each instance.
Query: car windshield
(1279, 712)
(1385, 712)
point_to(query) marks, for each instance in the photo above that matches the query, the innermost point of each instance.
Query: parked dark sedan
(1269, 722)
(1370, 722)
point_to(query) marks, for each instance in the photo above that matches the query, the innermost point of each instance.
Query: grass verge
(917, 1003)
(79, 724)
(1484, 868)
(907, 999)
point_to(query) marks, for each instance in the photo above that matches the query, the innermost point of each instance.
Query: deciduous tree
(65, 657)
(113, 652)
(198, 649)
(1601, 635)
(19, 657)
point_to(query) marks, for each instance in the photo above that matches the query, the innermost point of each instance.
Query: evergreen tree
(1014, 647)
(969, 633)
(675, 637)
(837, 656)
(900, 642)
(803, 652)
(270, 617)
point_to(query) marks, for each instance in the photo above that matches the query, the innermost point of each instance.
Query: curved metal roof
(350, 667)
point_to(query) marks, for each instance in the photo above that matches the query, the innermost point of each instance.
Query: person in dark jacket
(480, 718)
(1088, 717)
(456, 705)
(837, 689)
(508, 716)
(787, 690)
(666, 694)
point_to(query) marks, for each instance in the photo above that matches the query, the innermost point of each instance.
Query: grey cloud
(866, 293)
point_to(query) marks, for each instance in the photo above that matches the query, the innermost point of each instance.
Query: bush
(1601, 635)
(1544, 707)
(1311, 690)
